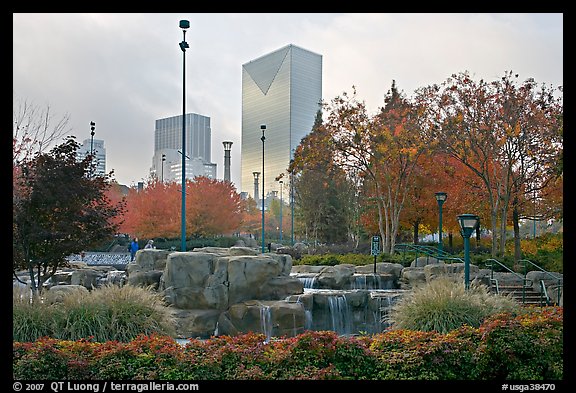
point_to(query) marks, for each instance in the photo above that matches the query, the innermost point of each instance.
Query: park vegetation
(437, 332)
(495, 147)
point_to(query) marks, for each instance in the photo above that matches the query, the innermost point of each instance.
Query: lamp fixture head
(468, 223)
(441, 196)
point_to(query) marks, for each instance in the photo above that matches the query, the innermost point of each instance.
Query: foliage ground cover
(528, 346)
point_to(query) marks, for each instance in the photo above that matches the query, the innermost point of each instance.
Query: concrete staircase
(526, 296)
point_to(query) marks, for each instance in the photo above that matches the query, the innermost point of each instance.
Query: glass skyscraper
(168, 144)
(97, 146)
(282, 90)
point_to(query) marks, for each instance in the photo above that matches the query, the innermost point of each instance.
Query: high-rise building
(97, 146)
(282, 90)
(167, 159)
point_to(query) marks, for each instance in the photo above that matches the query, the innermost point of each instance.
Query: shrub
(443, 305)
(109, 313)
(528, 346)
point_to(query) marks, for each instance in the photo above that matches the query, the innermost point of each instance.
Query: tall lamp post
(468, 223)
(281, 208)
(292, 202)
(440, 197)
(163, 159)
(263, 128)
(92, 128)
(184, 24)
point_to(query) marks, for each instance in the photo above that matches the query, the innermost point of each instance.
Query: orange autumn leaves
(213, 207)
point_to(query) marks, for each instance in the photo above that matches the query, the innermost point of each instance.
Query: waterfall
(366, 281)
(307, 314)
(308, 321)
(308, 282)
(340, 314)
(380, 313)
(266, 322)
(216, 330)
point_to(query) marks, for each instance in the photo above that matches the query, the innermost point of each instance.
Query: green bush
(443, 305)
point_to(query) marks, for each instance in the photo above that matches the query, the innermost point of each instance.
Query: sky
(123, 71)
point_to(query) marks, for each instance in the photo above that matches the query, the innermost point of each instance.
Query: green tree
(59, 208)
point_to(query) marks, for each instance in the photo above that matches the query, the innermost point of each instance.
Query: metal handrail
(496, 284)
(545, 293)
(427, 250)
(542, 283)
(523, 278)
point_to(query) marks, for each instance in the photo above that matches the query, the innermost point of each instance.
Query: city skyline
(124, 71)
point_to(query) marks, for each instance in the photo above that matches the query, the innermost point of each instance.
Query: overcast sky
(123, 71)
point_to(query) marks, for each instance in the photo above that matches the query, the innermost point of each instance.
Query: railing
(493, 280)
(542, 282)
(429, 251)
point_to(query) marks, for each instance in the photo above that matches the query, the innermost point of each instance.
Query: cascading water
(308, 281)
(266, 322)
(340, 314)
(380, 312)
(307, 314)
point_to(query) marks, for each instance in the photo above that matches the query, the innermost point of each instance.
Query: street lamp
(440, 197)
(92, 128)
(263, 128)
(163, 159)
(468, 223)
(292, 202)
(184, 24)
(92, 164)
(281, 207)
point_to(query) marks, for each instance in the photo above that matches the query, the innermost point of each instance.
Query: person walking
(133, 248)
(150, 244)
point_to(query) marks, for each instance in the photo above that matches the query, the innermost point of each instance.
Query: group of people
(133, 247)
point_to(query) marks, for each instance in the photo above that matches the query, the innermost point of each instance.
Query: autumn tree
(383, 150)
(322, 191)
(212, 207)
(493, 129)
(532, 119)
(153, 211)
(422, 211)
(251, 217)
(59, 208)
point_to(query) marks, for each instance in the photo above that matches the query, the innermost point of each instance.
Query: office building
(167, 160)
(97, 146)
(282, 90)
